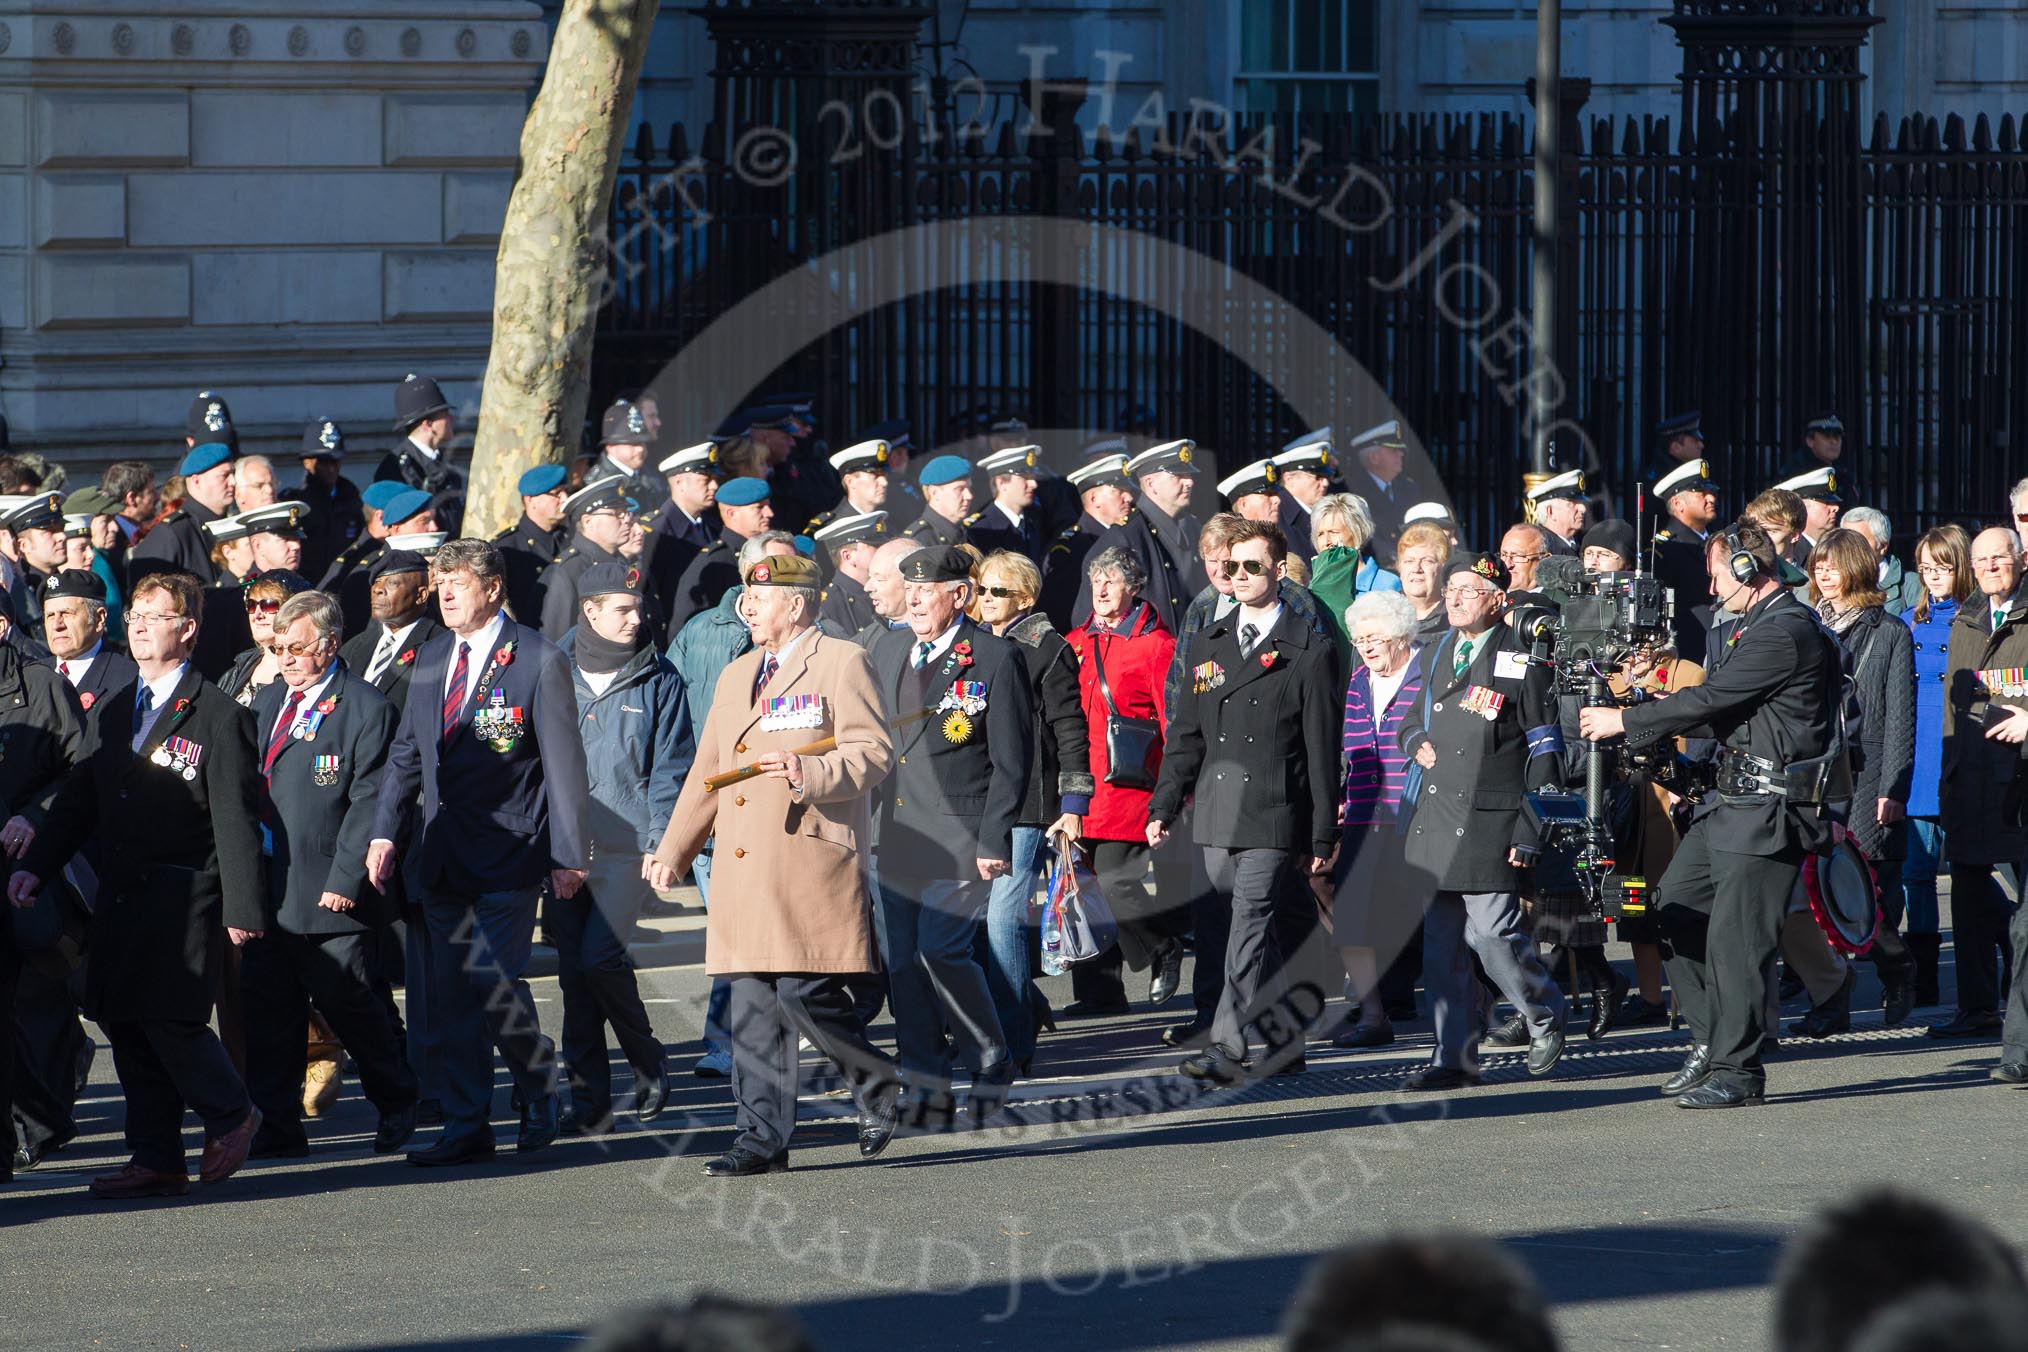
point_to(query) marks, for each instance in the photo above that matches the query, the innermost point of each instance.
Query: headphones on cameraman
(1741, 563)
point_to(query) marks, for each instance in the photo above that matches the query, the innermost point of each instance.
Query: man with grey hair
(253, 482)
(323, 734)
(1901, 587)
(488, 738)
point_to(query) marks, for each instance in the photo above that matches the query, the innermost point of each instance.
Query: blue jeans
(718, 1009)
(1007, 975)
(1918, 874)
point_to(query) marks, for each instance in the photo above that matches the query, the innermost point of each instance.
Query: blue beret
(404, 505)
(208, 455)
(542, 479)
(945, 469)
(742, 492)
(806, 546)
(376, 494)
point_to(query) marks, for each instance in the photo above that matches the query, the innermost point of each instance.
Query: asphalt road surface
(1121, 1209)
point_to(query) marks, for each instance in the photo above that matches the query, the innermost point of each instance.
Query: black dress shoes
(471, 1148)
(275, 1146)
(1095, 1009)
(1365, 1035)
(1436, 1079)
(429, 1112)
(27, 1156)
(739, 1162)
(1545, 1051)
(1168, 978)
(1831, 1017)
(1190, 1034)
(1213, 1065)
(1696, 1069)
(1606, 1006)
(576, 1121)
(395, 1129)
(1715, 1095)
(988, 1098)
(1510, 1036)
(2011, 1072)
(878, 1122)
(651, 1095)
(541, 1119)
(1968, 1024)
(1637, 1012)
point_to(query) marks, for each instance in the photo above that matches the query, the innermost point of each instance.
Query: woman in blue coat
(1943, 560)
(634, 717)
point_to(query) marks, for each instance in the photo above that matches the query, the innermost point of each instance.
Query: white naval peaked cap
(1567, 484)
(1380, 434)
(1307, 441)
(1684, 476)
(1426, 511)
(689, 458)
(1259, 477)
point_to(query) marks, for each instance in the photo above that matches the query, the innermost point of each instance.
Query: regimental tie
(454, 695)
(144, 700)
(767, 673)
(922, 655)
(382, 655)
(1248, 636)
(281, 733)
(1464, 657)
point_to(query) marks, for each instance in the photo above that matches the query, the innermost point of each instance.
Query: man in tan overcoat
(789, 867)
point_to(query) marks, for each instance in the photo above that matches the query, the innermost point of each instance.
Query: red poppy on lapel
(87, 699)
(180, 705)
(1267, 660)
(405, 658)
(327, 704)
(963, 650)
(506, 654)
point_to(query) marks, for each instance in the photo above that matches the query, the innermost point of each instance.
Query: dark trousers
(10, 975)
(166, 1065)
(1722, 914)
(596, 976)
(1254, 881)
(1148, 924)
(280, 975)
(927, 930)
(419, 1015)
(768, 1013)
(1980, 915)
(2014, 1037)
(51, 1054)
(479, 950)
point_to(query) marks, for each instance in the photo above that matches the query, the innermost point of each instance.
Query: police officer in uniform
(209, 418)
(1308, 472)
(178, 541)
(1688, 497)
(534, 542)
(423, 416)
(745, 509)
(598, 515)
(1160, 531)
(624, 438)
(1009, 521)
(1106, 497)
(1769, 698)
(947, 500)
(1824, 448)
(336, 513)
(1679, 439)
(38, 529)
(1560, 508)
(850, 541)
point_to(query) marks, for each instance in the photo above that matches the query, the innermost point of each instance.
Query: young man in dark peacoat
(323, 734)
(489, 737)
(1485, 734)
(1256, 739)
(169, 784)
(946, 824)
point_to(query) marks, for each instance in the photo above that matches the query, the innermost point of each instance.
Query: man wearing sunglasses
(1256, 740)
(599, 515)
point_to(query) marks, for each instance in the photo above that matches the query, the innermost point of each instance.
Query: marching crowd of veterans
(270, 758)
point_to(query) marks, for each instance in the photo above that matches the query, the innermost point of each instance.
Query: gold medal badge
(957, 728)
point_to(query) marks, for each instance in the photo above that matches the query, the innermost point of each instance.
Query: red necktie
(63, 670)
(767, 672)
(281, 735)
(454, 697)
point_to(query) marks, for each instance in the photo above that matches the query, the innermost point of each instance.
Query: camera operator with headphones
(1771, 699)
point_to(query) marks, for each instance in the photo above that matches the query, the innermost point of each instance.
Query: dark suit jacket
(1063, 579)
(1258, 742)
(446, 486)
(323, 815)
(492, 820)
(108, 672)
(951, 803)
(525, 550)
(336, 519)
(1294, 519)
(847, 608)
(180, 856)
(1468, 815)
(177, 542)
(357, 654)
(990, 530)
(709, 575)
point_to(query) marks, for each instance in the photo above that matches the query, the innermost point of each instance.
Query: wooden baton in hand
(745, 772)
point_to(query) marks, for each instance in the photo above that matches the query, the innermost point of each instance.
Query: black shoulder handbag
(1133, 745)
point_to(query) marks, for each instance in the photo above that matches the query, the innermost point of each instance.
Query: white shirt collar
(1009, 513)
(76, 667)
(401, 633)
(426, 452)
(938, 645)
(162, 687)
(794, 644)
(310, 696)
(484, 643)
(1262, 619)
(1223, 606)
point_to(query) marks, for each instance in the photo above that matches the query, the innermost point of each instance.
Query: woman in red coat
(1126, 638)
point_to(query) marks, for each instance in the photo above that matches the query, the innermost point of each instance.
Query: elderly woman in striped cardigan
(1377, 903)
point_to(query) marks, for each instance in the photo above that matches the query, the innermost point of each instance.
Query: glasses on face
(254, 607)
(1000, 593)
(1375, 641)
(1463, 592)
(295, 649)
(1933, 569)
(149, 619)
(1516, 556)
(1233, 567)
(1994, 564)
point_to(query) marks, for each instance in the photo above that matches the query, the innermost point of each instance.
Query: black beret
(397, 561)
(938, 563)
(604, 579)
(1487, 566)
(82, 583)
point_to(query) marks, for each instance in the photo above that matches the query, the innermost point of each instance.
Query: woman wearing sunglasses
(1059, 791)
(261, 663)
